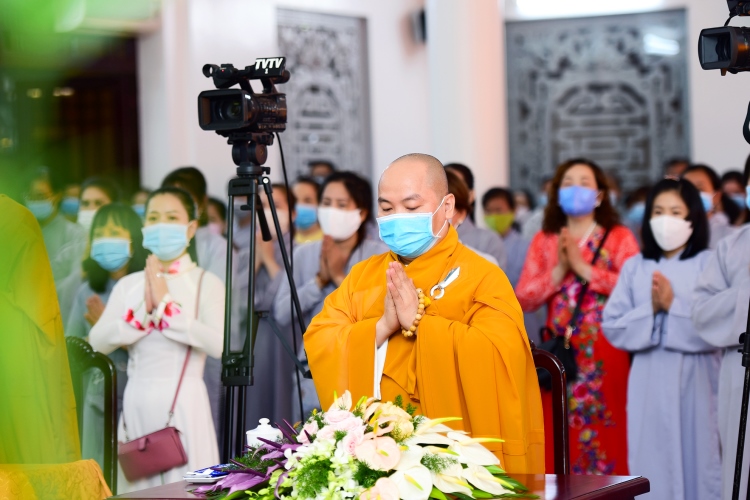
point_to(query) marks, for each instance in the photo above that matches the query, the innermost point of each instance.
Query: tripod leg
(241, 425)
(228, 424)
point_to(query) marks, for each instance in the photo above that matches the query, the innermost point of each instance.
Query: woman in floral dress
(576, 220)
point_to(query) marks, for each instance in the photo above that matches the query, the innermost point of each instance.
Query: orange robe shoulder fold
(470, 357)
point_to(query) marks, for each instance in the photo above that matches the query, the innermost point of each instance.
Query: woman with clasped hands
(154, 314)
(558, 265)
(673, 383)
(320, 266)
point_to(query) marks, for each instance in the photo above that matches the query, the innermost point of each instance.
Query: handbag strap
(189, 350)
(184, 364)
(582, 294)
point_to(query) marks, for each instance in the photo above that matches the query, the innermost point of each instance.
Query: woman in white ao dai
(153, 314)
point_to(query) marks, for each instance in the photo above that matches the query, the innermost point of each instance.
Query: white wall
(717, 104)
(196, 32)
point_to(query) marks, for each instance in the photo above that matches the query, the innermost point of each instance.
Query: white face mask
(86, 218)
(339, 224)
(670, 232)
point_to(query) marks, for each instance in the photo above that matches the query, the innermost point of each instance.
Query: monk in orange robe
(469, 356)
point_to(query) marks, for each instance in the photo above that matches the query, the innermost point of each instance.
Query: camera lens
(230, 110)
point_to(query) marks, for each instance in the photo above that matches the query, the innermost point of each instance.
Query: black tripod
(745, 341)
(249, 152)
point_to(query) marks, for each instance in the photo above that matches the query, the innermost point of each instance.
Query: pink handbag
(159, 451)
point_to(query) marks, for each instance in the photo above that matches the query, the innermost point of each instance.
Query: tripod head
(250, 152)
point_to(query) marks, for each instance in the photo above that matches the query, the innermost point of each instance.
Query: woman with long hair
(170, 315)
(579, 224)
(345, 207)
(115, 250)
(673, 433)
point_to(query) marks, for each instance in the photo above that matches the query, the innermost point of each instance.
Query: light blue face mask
(140, 210)
(577, 200)
(40, 209)
(307, 215)
(747, 199)
(69, 205)
(738, 199)
(542, 200)
(166, 241)
(409, 235)
(111, 253)
(708, 201)
(635, 213)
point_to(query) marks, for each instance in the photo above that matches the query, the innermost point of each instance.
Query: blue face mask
(111, 253)
(409, 235)
(69, 206)
(708, 201)
(41, 209)
(577, 200)
(738, 199)
(140, 209)
(542, 200)
(166, 241)
(635, 213)
(307, 215)
(747, 199)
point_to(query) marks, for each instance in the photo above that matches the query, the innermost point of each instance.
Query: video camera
(236, 112)
(727, 48)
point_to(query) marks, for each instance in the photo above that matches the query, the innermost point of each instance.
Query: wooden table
(549, 487)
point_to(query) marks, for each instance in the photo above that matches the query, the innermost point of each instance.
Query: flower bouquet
(371, 450)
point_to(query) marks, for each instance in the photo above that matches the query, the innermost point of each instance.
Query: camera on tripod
(233, 112)
(727, 48)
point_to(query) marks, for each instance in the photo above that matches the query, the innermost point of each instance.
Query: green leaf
(494, 469)
(461, 496)
(439, 495)
(236, 495)
(481, 494)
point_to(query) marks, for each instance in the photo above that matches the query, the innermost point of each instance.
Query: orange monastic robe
(470, 357)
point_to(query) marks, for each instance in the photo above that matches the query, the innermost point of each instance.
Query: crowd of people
(649, 288)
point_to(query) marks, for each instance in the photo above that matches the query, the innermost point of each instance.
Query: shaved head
(425, 166)
(416, 183)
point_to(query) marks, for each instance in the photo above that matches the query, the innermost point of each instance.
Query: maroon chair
(544, 360)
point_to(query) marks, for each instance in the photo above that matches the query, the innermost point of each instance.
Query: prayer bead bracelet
(424, 301)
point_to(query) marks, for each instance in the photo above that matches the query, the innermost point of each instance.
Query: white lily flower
(471, 451)
(414, 483)
(451, 480)
(482, 478)
(411, 457)
(342, 403)
(429, 438)
(435, 425)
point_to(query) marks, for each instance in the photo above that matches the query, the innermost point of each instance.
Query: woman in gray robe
(320, 266)
(672, 388)
(720, 315)
(269, 396)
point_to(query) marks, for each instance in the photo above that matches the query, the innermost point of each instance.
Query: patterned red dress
(596, 400)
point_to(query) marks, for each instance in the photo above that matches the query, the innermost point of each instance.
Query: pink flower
(342, 420)
(326, 432)
(311, 429)
(381, 453)
(576, 421)
(579, 391)
(384, 489)
(353, 439)
(336, 416)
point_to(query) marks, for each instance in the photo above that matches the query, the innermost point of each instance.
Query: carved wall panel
(328, 95)
(612, 89)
